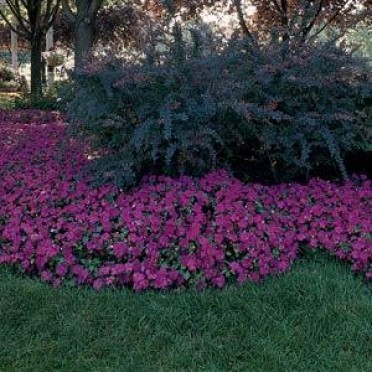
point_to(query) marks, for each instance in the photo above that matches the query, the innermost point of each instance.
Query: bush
(8, 81)
(150, 117)
(6, 74)
(51, 99)
(305, 108)
(294, 110)
(6, 101)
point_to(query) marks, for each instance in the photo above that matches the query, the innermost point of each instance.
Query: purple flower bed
(166, 233)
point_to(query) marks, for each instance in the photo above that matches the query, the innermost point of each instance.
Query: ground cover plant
(166, 233)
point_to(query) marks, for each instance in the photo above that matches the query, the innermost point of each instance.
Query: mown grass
(317, 317)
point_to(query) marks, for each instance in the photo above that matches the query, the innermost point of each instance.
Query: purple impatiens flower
(166, 233)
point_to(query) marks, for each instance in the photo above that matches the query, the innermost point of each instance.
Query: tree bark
(36, 68)
(84, 39)
(83, 19)
(33, 19)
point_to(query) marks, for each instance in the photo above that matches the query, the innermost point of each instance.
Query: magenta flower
(166, 232)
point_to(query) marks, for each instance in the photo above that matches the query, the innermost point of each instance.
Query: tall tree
(116, 25)
(290, 20)
(33, 19)
(82, 13)
(303, 20)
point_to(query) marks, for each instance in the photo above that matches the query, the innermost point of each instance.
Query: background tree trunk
(83, 19)
(84, 39)
(36, 68)
(33, 18)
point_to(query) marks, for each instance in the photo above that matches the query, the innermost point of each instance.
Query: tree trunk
(36, 68)
(43, 71)
(84, 39)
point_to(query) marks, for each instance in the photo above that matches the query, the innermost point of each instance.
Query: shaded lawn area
(317, 317)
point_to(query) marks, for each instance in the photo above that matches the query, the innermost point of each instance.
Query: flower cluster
(167, 233)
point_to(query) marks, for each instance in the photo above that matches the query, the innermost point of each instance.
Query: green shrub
(51, 99)
(6, 74)
(6, 101)
(8, 78)
(295, 110)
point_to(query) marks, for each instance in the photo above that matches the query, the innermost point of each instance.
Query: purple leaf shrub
(167, 233)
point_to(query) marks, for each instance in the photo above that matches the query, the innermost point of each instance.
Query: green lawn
(318, 317)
